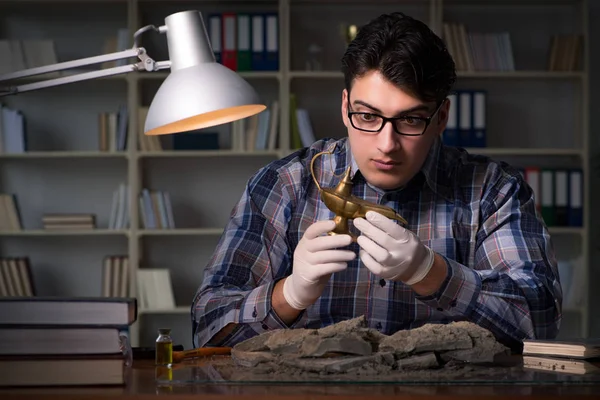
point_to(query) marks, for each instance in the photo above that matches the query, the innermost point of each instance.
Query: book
(67, 311)
(59, 341)
(581, 348)
(554, 364)
(64, 371)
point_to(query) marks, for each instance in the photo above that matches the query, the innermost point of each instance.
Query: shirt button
(382, 282)
(254, 314)
(378, 326)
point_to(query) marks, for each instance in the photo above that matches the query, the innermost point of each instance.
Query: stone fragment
(419, 361)
(251, 358)
(386, 358)
(429, 337)
(485, 346)
(348, 326)
(317, 346)
(256, 343)
(352, 349)
(372, 336)
(287, 341)
(327, 365)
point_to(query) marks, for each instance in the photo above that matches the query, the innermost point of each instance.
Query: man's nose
(387, 139)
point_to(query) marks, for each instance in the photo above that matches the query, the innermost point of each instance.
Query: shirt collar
(435, 169)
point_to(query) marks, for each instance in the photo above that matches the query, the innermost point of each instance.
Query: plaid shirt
(477, 213)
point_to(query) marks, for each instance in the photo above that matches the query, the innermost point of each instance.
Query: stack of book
(69, 221)
(16, 278)
(55, 341)
(10, 215)
(567, 356)
(155, 210)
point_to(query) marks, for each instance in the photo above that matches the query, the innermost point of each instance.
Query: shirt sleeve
(250, 257)
(512, 288)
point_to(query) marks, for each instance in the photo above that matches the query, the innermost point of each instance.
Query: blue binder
(257, 44)
(215, 35)
(271, 42)
(450, 135)
(575, 197)
(477, 138)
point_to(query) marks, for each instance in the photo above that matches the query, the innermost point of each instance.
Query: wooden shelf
(84, 232)
(520, 74)
(207, 153)
(316, 74)
(181, 232)
(176, 310)
(461, 74)
(513, 3)
(524, 151)
(160, 75)
(569, 310)
(566, 230)
(64, 154)
(53, 2)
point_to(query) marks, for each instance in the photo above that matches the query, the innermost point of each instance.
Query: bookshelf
(64, 171)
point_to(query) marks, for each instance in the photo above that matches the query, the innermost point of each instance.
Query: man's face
(387, 159)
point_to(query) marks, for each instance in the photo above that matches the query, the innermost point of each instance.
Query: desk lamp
(198, 93)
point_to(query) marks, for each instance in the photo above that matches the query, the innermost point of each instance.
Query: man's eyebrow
(420, 107)
(364, 103)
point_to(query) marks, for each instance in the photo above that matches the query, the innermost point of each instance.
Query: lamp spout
(188, 40)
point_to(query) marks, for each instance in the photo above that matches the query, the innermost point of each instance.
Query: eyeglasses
(405, 125)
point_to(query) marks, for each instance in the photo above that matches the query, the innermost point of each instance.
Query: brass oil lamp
(347, 206)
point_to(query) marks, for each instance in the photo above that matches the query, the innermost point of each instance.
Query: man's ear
(344, 107)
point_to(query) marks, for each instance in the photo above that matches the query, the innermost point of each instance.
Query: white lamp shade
(200, 96)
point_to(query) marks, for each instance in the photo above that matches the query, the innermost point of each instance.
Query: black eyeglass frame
(385, 120)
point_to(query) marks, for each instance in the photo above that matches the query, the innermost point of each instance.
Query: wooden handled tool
(179, 356)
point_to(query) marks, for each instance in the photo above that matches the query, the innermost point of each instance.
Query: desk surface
(142, 385)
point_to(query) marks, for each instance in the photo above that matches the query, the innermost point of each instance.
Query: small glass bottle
(164, 347)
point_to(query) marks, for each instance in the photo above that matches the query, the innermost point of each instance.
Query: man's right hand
(316, 257)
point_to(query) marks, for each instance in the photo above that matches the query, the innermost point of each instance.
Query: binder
(244, 57)
(214, 35)
(295, 140)
(548, 197)
(465, 119)
(450, 134)
(532, 177)
(576, 197)
(271, 42)
(229, 41)
(257, 46)
(561, 198)
(478, 132)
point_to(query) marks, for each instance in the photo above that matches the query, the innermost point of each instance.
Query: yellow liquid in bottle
(164, 353)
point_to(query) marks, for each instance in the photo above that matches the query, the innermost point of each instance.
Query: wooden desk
(141, 385)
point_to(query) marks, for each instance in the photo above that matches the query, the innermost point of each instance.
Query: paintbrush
(179, 356)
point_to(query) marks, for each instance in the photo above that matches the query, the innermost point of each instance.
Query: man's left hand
(392, 251)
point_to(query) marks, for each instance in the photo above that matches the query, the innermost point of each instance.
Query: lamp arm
(145, 64)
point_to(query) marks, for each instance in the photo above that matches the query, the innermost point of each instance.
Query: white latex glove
(392, 251)
(316, 257)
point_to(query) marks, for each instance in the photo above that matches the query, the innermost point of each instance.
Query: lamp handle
(145, 64)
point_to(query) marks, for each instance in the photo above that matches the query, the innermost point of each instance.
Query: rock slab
(351, 347)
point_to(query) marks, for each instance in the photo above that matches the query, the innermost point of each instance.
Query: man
(473, 249)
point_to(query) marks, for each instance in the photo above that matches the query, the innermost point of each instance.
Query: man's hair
(406, 52)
